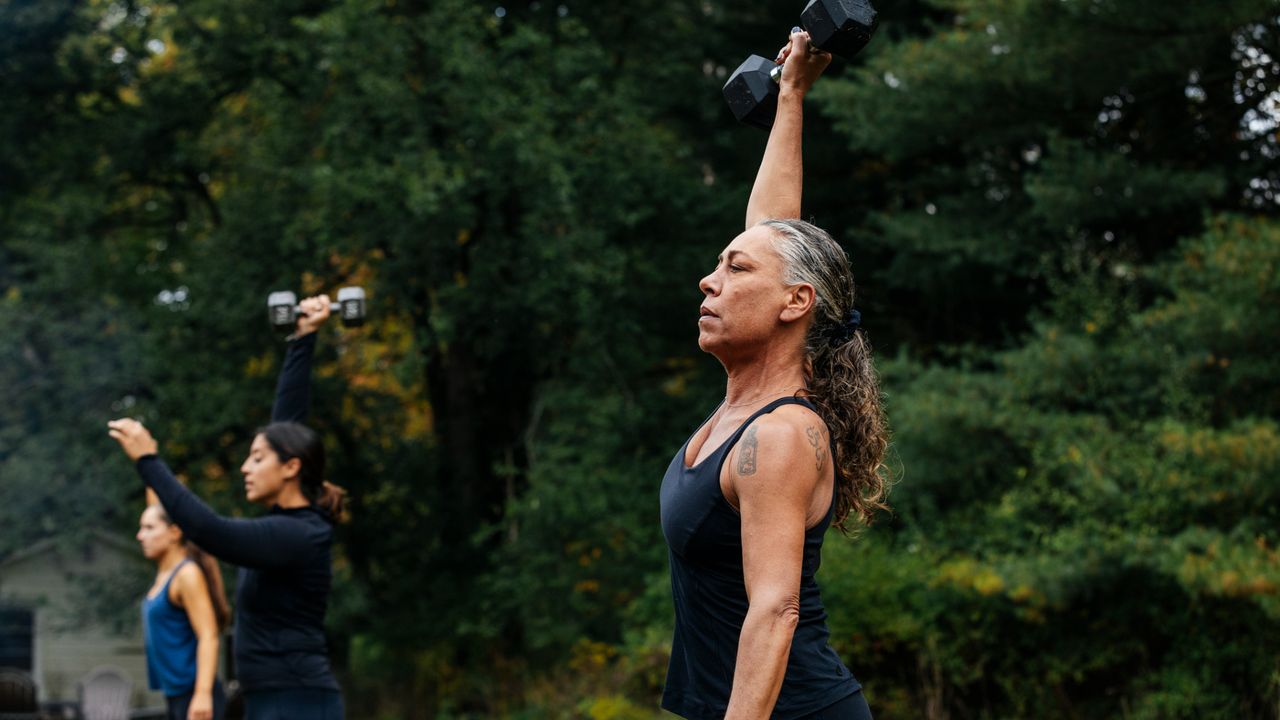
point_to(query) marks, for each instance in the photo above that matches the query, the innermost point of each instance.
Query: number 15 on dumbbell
(283, 310)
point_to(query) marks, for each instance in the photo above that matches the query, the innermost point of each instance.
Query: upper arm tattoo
(819, 449)
(748, 452)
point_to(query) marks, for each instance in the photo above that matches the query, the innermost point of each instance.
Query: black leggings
(294, 704)
(853, 707)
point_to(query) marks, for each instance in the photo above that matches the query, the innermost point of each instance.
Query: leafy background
(1063, 218)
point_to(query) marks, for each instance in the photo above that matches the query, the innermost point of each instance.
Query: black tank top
(704, 542)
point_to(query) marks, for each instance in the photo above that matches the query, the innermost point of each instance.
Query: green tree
(1080, 221)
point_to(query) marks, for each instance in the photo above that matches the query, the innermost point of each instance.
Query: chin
(711, 344)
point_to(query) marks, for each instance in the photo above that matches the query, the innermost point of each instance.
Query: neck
(290, 497)
(765, 377)
(174, 555)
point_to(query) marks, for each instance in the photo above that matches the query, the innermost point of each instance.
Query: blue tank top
(170, 642)
(704, 542)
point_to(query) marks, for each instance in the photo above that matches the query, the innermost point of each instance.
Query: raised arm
(780, 180)
(264, 542)
(272, 541)
(293, 389)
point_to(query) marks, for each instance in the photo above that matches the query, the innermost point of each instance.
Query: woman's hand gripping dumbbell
(286, 313)
(838, 27)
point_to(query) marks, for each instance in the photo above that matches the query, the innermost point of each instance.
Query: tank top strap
(164, 591)
(773, 405)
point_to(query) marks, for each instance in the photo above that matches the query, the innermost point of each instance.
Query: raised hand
(133, 436)
(801, 63)
(314, 311)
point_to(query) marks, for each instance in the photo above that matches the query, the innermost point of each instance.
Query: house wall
(70, 642)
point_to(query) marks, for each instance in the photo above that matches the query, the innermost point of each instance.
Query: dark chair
(17, 695)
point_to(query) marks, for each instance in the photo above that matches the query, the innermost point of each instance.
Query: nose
(710, 285)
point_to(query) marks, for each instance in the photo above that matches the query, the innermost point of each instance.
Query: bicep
(263, 542)
(193, 594)
(772, 549)
(773, 493)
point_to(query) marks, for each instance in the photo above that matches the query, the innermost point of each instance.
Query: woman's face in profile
(744, 296)
(264, 474)
(154, 534)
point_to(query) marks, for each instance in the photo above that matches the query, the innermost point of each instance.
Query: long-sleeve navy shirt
(284, 558)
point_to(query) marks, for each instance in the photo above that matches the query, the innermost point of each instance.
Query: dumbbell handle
(333, 307)
(776, 73)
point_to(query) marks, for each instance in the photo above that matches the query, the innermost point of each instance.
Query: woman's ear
(800, 299)
(292, 469)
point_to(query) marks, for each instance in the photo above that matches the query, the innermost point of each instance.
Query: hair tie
(845, 330)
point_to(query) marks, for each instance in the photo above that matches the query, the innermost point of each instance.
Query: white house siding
(67, 644)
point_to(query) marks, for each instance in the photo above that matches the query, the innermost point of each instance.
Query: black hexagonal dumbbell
(840, 27)
(283, 310)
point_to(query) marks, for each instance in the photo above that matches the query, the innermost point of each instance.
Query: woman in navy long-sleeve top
(284, 557)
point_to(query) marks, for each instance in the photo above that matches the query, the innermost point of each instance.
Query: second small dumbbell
(283, 310)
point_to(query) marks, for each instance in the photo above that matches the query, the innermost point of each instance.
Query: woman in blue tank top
(182, 616)
(796, 446)
(285, 555)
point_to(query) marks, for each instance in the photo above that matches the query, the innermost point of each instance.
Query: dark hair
(842, 381)
(210, 569)
(292, 440)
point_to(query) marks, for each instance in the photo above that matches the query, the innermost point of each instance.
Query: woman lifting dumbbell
(283, 587)
(796, 445)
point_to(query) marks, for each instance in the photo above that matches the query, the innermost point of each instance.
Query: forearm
(780, 180)
(180, 504)
(763, 648)
(206, 663)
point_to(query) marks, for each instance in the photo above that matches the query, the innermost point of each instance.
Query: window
(17, 635)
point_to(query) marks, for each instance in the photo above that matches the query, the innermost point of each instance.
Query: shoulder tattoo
(747, 452)
(819, 448)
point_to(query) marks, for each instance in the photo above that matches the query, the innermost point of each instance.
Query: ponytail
(333, 500)
(213, 580)
(845, 387)
(841, 380)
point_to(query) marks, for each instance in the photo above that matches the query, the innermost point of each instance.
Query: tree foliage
(1062, 217)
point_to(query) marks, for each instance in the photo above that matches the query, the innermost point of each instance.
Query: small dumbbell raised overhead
(840, 27)
(283, 310)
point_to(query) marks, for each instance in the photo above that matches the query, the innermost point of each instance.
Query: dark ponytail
(213, 580)
(842, 381)
(292, 440)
